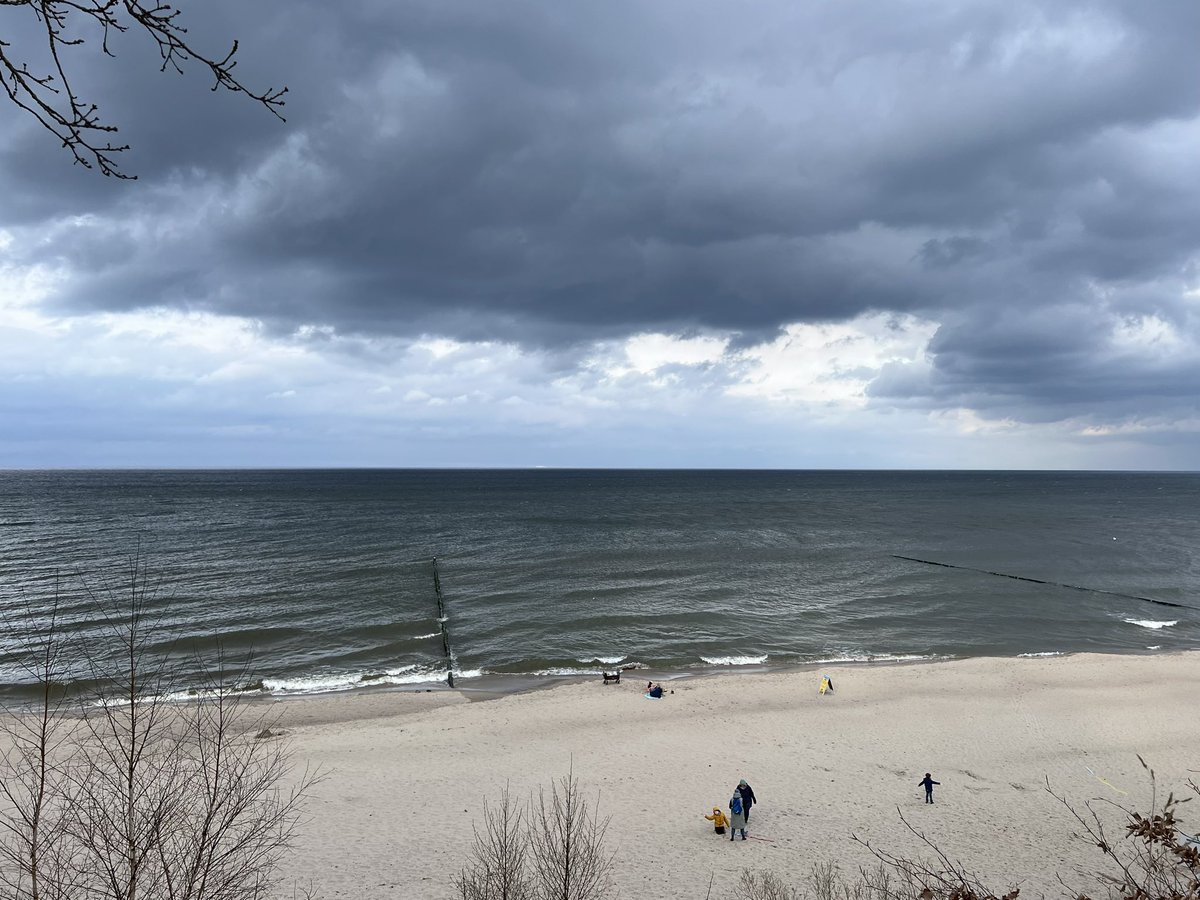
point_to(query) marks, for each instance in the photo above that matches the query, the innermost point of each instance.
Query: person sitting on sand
(656, 691)
(719, 820)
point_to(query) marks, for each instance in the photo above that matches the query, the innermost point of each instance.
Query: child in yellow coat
(719, 820)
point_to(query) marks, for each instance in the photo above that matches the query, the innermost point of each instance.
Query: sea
(350, 580)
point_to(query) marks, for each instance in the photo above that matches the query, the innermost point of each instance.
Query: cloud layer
(970, 224)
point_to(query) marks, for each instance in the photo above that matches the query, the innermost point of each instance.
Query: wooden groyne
(442, 624)
(1073, 587)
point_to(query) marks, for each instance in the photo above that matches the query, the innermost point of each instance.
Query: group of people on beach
(739, 812)
(743, 798)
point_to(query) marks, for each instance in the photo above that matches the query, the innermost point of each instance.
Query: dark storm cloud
(1023, 173)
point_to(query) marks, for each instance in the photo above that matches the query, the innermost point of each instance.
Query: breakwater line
(1074, 587)
(441, 606)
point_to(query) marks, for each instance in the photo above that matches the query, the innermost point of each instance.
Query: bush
(118, 793)
(550, 849)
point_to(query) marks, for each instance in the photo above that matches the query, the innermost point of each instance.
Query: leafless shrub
(765, 886)
(938, 876)
(566, 843)
(1153, 860)
(825, 881)
(130, 795)
(36, 771)
(551, 850)
(499, 856)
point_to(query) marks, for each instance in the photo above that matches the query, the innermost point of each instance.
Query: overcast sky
(787, 233)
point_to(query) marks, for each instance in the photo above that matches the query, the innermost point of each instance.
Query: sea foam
(875, 657)
(735, 660)
(346, 681)
(1150, 623)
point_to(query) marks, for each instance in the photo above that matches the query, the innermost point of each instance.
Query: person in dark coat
(927, 782)
(748, 799)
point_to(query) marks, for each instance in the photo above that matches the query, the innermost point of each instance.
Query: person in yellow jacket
(719, 820)
(826, 685)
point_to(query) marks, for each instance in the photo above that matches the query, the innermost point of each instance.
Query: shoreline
(373, 702)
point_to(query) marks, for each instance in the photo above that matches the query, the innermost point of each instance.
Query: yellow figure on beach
(826, 685)
(719, 820)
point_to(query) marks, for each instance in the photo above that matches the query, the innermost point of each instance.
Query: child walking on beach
(927, 782)
(719, 820)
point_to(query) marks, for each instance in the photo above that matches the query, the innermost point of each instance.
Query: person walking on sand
(719, 819)
(737, 816)
(748, 798)
(927, 782)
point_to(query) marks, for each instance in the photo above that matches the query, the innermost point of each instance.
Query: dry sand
(407, 773)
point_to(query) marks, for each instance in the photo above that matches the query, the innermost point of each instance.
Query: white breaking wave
(1043, 653)
(735, 660)
(432, 634)
(1154, 647)
(566, 670)
(1150, 623)
(604, 660)
(875, 657)
(346, 681)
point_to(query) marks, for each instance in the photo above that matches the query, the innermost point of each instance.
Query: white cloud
(832, 364)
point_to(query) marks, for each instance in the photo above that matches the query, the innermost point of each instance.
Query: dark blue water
(326, 575)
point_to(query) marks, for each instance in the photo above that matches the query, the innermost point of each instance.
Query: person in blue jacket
(737, 816)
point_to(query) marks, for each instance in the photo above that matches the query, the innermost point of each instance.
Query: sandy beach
(407, 773)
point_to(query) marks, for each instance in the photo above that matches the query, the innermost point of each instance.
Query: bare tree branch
(44, 88)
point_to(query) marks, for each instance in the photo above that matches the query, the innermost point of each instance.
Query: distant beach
(408, 773)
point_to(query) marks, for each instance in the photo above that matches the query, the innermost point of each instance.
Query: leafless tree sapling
(142, 796)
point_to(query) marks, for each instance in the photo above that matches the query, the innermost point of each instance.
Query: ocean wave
(876, 657)
(1043, 653)
(432, 634)
(566, 670)
(735, 660)
(1150, 623)
(1154, 647)
(347, 681)
(603, 660)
